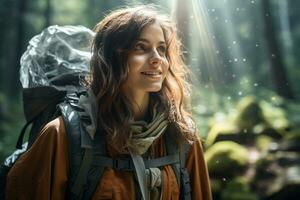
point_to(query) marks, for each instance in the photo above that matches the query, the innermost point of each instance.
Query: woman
(138, 79)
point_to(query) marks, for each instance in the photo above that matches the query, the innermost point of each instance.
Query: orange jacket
(42, 172)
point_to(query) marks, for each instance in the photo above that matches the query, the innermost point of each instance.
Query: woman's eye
(162, 49)
(139, 47)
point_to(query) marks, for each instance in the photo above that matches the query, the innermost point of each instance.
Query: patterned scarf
(143, 134)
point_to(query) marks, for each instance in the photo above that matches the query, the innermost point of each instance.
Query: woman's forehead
(152, 33)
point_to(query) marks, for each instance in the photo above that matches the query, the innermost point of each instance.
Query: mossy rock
(219, 129)
(238, 189)
(293, 133)
(265, 129)
(275, 116)
(265, 161)
(289, 191)
(216, 186)
(226, 159)
(249, 113)
(263, 141)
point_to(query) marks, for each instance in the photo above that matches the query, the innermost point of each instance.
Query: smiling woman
(145, 144)
(148, 68)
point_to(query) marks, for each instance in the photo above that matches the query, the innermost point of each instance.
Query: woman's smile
(153, 75)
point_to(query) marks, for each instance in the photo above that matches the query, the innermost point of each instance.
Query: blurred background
(245, 75)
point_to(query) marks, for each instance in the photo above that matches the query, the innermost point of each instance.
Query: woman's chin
(155, 89)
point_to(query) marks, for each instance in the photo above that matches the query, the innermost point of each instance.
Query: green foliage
(73, 12)
(11, 126)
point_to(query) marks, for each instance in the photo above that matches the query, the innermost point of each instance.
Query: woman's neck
(140, 104)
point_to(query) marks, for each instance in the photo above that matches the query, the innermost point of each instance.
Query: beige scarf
(143, 135)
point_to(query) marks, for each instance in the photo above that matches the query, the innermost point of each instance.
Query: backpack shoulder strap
(73, 131)
(85, 174)
(95, 171)
(182, 176)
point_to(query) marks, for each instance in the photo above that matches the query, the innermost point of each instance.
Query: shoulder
(55, 126)
(50, 139)
(52, 133)
(45, 162)
(51, 142)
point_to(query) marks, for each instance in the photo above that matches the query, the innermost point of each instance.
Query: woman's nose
(155, 58)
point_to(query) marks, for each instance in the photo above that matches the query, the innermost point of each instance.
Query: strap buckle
(123, 164)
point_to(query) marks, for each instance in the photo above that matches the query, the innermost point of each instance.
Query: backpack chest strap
(126, 163)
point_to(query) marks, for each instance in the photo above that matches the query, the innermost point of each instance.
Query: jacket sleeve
(41, 173)
(197, 169)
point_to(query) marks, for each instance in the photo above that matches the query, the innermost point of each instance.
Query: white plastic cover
(55, 53)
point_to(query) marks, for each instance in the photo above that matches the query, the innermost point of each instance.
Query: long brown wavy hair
(115, 36)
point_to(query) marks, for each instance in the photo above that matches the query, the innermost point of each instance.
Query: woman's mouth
(153, 75)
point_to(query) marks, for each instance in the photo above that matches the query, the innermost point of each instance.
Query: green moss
(293, 133)
(226, 158)
(238, 189)
(216, 186)
(219, 129)
(263, 142)
(265, 129)
(249, 113)
(275, 116)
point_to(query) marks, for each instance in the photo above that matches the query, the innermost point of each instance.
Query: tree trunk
(48, 13)
(7, 9)
(182, 19)
(12, 83)
(282, 85)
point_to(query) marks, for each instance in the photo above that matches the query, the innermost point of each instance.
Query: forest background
(244, 58)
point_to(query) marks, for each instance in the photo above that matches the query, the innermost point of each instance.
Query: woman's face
(147, 62)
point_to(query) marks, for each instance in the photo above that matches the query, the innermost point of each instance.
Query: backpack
(52, 72)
